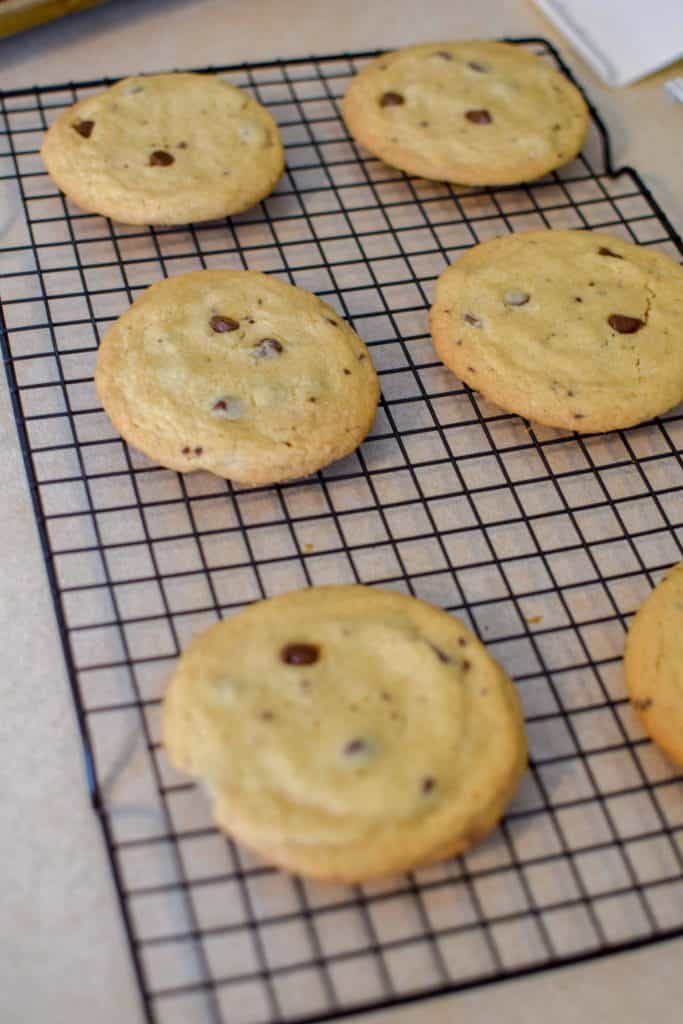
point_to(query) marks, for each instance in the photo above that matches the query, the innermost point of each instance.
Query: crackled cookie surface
(572, 329)
(239, 373)
(474, 113)
(347, 732)
(165, 149)
(653, 664)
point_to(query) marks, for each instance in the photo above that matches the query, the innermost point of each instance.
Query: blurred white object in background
(622, 40)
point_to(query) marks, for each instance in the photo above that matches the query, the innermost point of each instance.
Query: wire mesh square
(544, 543)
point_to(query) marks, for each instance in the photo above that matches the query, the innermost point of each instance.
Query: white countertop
(65, 955)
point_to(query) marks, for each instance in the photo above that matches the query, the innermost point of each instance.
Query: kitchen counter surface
(65, 954)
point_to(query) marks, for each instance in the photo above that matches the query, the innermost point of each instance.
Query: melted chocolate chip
(160, 158)
(478, 116)
(625, 324)
(602, 251)
(230, 407)
(476, 65)
(354, 747)
(469, 318)
(391, 99)
(515, 298)
(427, 784)
(268, 348)
(221, 324)
(84, 128)
(299, 654)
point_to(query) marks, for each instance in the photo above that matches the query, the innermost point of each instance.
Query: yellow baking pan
(16, 15)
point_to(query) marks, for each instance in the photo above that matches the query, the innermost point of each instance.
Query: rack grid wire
(543, 542)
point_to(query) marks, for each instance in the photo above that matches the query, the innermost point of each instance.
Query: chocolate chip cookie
(653, 664)
(165, 149)
(572, 329)
(238, 373)
(347, 732)
(473, 113)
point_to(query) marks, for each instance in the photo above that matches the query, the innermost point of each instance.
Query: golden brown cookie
(572, 329)
(347, 732)
(165, 149)
(239, 373)
(474, 113)
(653, 663)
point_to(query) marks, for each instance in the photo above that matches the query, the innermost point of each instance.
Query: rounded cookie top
(653, 664)
(572, 329)
(239, 373)
(347, 732)
(473, 113)
(165, 149)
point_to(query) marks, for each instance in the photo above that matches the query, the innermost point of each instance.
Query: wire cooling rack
(544, 542)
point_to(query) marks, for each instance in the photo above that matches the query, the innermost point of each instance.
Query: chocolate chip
(478, 116)
(299, 654)
(84, 128)
(473, 320)
(266, 716)
(228, 408)
(268, 348)
(331, 321)
(198, 451)
(466, 665)
(625, 324)
(515, 298)
(361, 357)
(221, 324)
(577, 298)
(643, 704)
(427, 784)
(391, 99)
(186, 450)
(160, 158)
(182, 145)
(462, 641)
(602, 251)
(476, 65)
(355, 746)
(441, 655)
(443, 54)
(347, 372)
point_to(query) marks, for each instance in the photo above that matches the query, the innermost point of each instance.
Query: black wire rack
(544, 542)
